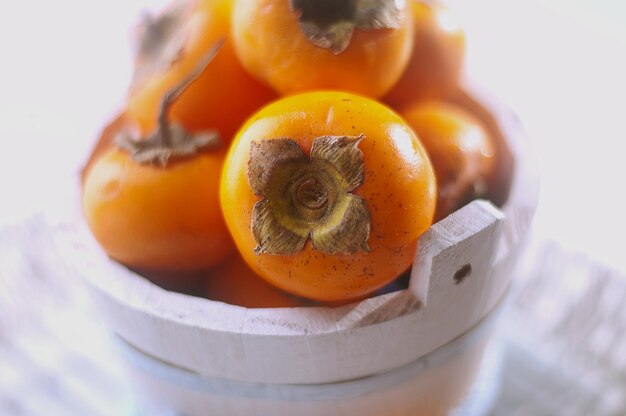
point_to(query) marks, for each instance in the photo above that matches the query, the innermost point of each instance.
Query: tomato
(460, 149)
(153, 217)
(436, 63)
(326, 193)
(302, 45)
(221, 98)
(235, 283)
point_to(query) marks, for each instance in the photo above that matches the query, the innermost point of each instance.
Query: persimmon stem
(330, 24)
(170, 97)
(172, 140)
(312, 194)
(324, 12)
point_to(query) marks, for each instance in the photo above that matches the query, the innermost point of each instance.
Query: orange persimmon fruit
(303, 45)
(171, 45)
(326, 193)
(153, 217)
(494, 116)
(438, 56)
(153, 202)
(234, 282)
(460, 149)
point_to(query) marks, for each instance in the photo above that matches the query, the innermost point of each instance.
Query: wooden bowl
(462, 270)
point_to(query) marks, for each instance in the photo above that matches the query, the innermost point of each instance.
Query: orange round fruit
(498, 121)
(172, 46)
(235, 283)
(326, 193)
(460, 149)
(303, 45)
(157, 218)
(436, 63)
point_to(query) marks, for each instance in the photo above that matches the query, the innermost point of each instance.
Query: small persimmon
(151, 217)
(302, 45)
(326, 194)
(460, 149)
(494, 117)
(152, 202)
(235, 283)
(436, 63)
(170, 46)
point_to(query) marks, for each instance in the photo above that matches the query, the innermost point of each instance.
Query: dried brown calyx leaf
(171, 140)
(309, 197)
(161, 40)
(330, 23)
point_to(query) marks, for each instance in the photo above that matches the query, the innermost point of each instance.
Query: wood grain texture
(565, 356)
(433, 385)
(324, 344)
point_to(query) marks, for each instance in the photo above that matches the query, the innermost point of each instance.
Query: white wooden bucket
(410, 352)
(432, 385)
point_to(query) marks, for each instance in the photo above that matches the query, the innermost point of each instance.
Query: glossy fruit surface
(460, 149)
(221, 98)
(297, 230)
(500, 123)
(270, 42)
(436, 62)
(157, 218)
(235, 283)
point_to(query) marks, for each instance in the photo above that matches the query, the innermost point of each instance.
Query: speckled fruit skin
(399, 188)
(235, 283)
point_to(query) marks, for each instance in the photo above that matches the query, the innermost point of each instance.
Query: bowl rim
(170, 373)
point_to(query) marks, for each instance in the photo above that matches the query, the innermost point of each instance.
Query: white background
(561, 64)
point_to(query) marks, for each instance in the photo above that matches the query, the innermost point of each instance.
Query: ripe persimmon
(460, 149)
(235, 283)
(152, 202)
(170, 46)
(493, 116)
(326, 193)
(303, 45)
(153, 217)
(436, 63)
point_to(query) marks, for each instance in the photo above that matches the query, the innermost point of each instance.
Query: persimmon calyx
(161, 40)
(309, 197)
(330, 23)
(171, 140)
(180, 144)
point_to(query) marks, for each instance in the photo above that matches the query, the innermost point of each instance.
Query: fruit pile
(288, 151)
